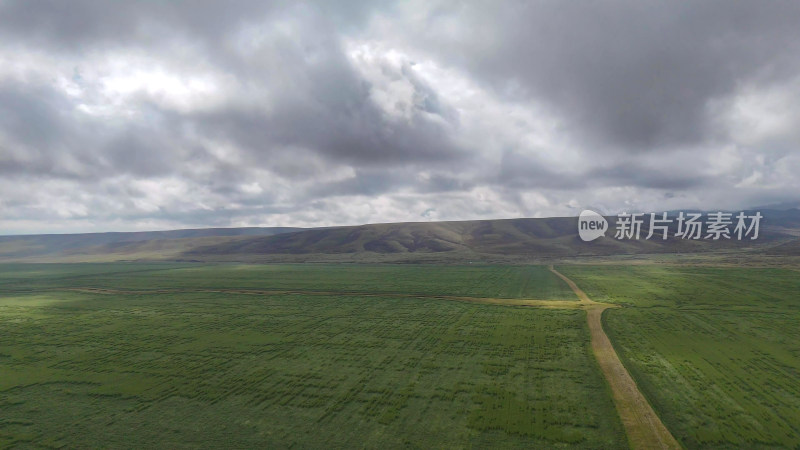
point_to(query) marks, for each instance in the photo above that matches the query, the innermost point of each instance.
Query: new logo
(591, 225)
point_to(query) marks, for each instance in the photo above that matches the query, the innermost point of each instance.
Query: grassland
(715, 350)
(169, 363)
(474, 281)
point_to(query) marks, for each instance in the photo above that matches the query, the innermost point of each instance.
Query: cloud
(635, 75)
(140, 115)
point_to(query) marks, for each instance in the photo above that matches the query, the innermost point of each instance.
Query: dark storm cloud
(523, 172)
(83, 24)
(637, 175)
(45, 137)
(520, 171)
(334, 115)
(37, 126)
(364, 182)
(136, 150)
(32, 114)
(637, 75)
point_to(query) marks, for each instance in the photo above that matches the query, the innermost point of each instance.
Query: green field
(534, 282)
(188, 355)
(313, 368)
(715, 350)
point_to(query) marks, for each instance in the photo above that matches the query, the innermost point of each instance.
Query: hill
(484, 240)
(63, 246)
(508, 240)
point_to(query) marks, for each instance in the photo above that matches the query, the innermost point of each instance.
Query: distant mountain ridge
(23, 246)
(511, 240)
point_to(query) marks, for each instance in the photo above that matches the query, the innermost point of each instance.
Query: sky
(145, 115)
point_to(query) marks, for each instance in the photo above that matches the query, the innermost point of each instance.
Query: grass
(715, 350)
(187, 369)
(534, 282)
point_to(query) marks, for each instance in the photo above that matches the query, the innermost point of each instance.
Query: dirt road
(643, 427)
